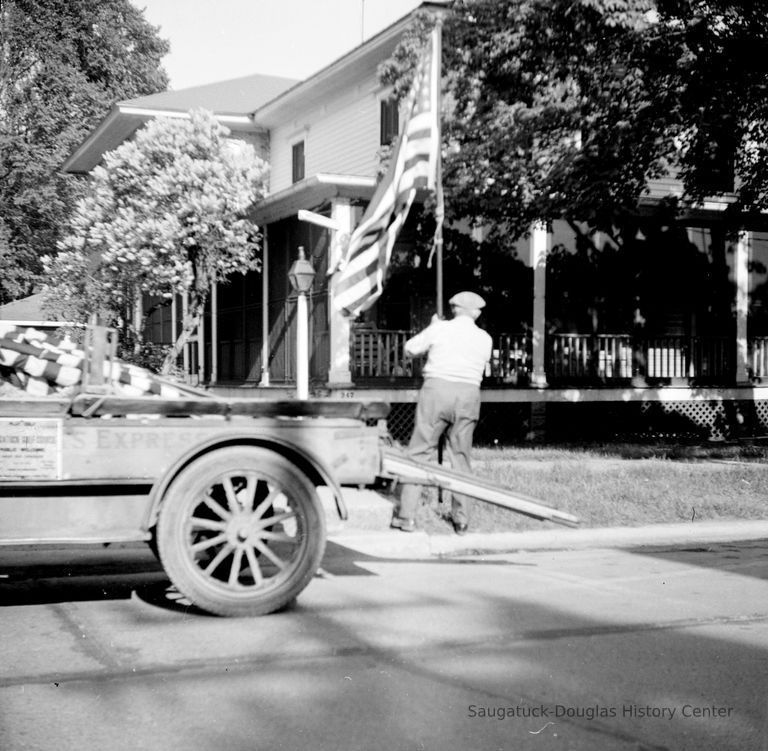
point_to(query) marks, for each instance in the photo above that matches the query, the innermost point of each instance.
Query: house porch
(566, 340)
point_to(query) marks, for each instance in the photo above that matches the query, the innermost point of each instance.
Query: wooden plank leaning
(408, 470)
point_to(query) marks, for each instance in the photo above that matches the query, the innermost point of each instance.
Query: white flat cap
(467, 300)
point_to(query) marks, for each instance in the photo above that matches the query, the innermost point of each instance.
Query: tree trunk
(191, 322)
(198, 292)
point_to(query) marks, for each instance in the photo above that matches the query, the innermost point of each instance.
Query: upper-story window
(297, 171)
(390, 121)
(717, 155)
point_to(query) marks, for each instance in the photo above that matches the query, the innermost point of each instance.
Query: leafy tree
(165, 215)
(62, 65)
(567, 108)
(17, 276)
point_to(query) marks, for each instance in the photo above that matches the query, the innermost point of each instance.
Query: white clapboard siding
(347, 138)
(342, 137)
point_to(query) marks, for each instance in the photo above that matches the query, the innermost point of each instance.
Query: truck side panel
(91, 479)
(73, 515)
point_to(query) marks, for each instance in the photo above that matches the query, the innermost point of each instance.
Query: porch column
(174, 320)
(214, 333)
(265, 311)
(339, 374)
(185, 352)
(201, 349)
(138, 320)
(741, 277)
(174, 324)
(539, 242)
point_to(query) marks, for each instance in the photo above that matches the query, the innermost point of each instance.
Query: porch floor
(408, 392)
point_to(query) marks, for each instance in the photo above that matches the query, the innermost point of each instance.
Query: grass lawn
(617, 485)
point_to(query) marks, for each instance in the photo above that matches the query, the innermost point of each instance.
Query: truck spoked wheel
(241, 531)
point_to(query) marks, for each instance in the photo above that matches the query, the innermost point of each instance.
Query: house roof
(250, 103)
(238, 96)
(26, 309)
(231, 101)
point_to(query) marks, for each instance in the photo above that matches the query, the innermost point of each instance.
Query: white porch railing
(380, 353)
(583, 355)
(611, 356)
(758, 357)
(510, 359)
(603, 357)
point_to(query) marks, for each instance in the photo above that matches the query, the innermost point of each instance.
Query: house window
(298, 161)
(390, 121)
(716, 151)
(718, 171)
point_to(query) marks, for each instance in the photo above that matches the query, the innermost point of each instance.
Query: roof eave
(270, 113)
(315, 191)
(310, 193)
(241, 121)
(80, 156)
(123, 121)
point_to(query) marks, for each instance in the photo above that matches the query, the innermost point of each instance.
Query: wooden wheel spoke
(216, 507)
(253, 565)
(211, 524)
(248, 493)
(276, 536)
(218, 558)
(234, 571)
(264, 550)
(229, 491)
(267, 503)
(209, 543)
(270, 521)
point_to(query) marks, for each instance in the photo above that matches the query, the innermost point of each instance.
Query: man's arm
(419, 344)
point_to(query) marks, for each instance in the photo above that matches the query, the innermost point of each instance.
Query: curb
(394, 544)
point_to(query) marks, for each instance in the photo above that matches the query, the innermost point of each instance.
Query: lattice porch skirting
(503, 423)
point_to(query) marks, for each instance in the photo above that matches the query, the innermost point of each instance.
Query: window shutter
(298, 161)
(390, 121)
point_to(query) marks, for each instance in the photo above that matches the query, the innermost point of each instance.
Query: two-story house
(667, 334)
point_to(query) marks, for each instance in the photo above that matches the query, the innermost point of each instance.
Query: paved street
(652, 648)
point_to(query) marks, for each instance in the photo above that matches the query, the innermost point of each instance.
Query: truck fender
(305, 460)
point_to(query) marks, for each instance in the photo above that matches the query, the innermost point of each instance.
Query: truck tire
(241, 531)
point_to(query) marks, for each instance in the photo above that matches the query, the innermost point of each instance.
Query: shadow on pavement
(747, 558)
(408, 667)
(41, 575)
(80, 573)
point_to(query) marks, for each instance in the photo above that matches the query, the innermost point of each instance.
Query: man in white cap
(449, 400)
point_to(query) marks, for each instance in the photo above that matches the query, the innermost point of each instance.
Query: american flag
(42, 364)
(414, 164)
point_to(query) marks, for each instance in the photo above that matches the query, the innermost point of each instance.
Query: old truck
(225, 491)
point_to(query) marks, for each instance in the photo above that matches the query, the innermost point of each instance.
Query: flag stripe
(359, 281)
(365, 273)
(41, 364)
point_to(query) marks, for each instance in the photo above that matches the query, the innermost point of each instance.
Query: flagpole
(413, 166)
(440, 204)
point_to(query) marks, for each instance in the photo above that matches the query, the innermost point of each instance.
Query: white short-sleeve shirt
(457, 350)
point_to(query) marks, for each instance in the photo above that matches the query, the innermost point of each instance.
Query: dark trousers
(450, 408)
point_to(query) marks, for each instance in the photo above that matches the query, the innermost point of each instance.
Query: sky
(213, 40)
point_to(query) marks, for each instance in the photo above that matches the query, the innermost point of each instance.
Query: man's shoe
(460, 528)
(404, 525)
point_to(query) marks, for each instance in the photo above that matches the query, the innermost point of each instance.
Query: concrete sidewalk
(367, 531)
(396, 544)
